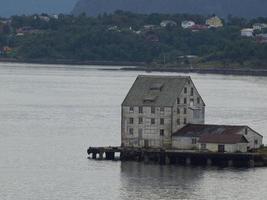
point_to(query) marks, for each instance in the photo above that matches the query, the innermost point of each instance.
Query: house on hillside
(214, 22)
(168, 112)
(261, 38)
(259, 26)
(216, 138)
(247, 32)
(198, 27)
(187, 24)
(156, 107)
(168, 23)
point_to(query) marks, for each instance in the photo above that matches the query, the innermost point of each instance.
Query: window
(192, 92)
(191, 102)
(161, 132)
(131, 109)
(153, 110)
(185, 121)
(140, 109)
(198, 100)
(185, 100)
(185, 90)
(203, 146)
(140, 120)
(131, 131)
(185, 111)
(178, 110)
(256, 141)
(162, 109)
(194, 140)
(178, 121)
(178, 100)
(161, 121)
(152, 120)
(246, 131)
(131, 120)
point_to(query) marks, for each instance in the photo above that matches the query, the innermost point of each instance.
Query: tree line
(122, 36)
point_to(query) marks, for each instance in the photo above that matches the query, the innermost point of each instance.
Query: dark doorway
(221, 148)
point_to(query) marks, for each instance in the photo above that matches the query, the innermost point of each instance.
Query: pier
(178, 157)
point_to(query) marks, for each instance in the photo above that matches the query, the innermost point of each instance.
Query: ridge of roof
(195, 130)
(229, 138)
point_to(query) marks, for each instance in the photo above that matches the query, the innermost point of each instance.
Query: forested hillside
(125, 36)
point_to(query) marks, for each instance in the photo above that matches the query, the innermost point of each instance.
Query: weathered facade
(157, 106)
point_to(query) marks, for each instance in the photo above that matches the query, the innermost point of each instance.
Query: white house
(247, 32)
(259, 26)
(187, 24)
(216, 138)
(168, 112)
(167, 23)
(156, 107)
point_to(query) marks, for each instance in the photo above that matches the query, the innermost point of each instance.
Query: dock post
(146, 158)
(167, 160)
(107, 155)
(251, 163)
(94, 155)
(101, 155)
(230, 163)
(188, 161)
(162, 157)
(209, 161)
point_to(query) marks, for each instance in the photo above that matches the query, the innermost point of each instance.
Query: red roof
(229, 138)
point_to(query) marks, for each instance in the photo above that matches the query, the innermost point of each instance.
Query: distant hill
(223, 8)
(19, 7)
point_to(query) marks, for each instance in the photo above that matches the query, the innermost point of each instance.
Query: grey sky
(13, 7)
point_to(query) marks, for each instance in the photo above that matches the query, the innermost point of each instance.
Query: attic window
(156, 86)
(150, 99)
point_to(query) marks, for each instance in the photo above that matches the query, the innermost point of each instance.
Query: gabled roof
(226, 138)
(196, 130)
(155, 90)
(225, 134)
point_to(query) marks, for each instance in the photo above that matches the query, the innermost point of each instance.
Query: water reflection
(144, 181)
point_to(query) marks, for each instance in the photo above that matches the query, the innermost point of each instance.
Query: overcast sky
(13, 7)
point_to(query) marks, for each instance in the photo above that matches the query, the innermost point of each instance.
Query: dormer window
(150, 99)
(156, 86)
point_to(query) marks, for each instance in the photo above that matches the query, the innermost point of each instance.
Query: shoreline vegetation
(138, 66)
(152, 42)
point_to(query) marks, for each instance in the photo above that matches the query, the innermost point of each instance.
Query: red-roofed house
(216, 138)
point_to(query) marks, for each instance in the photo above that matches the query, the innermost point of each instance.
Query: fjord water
(49, 115)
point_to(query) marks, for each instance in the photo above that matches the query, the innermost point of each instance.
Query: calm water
(49, 116)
